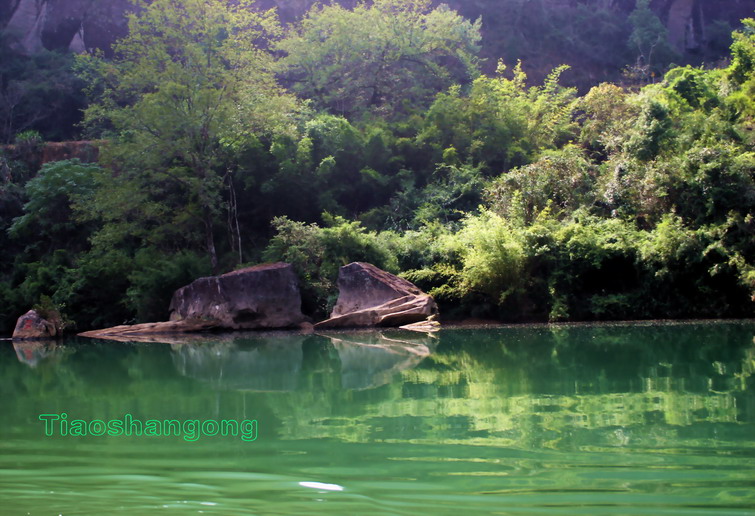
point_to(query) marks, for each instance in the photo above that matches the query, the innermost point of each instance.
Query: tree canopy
(383, 57)
(192, 80)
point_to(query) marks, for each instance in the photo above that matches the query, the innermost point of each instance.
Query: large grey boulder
(263, 296)
(369, 296)
(260, 297)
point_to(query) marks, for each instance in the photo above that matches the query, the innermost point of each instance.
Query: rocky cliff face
(593, 32)
(74, 25)
(80, 24)
(687, 21)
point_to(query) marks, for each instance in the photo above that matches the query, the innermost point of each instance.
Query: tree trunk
(210, 242)
(234, 230)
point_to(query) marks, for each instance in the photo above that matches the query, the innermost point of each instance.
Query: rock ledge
(369, 296)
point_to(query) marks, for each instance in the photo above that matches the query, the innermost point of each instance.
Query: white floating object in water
(320, 485)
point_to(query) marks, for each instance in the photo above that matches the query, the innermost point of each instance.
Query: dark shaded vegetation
(234, 141)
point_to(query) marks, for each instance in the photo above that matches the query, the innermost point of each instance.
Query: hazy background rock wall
(80, 24)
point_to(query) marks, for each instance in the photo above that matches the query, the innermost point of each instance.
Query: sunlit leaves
(502, 122)
(190, 84)
(384, 58)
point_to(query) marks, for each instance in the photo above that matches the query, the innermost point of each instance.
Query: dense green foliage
(38, 92)
(502, 197)
(188, 85)
(386, 57)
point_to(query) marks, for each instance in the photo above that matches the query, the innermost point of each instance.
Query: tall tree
(649, 42)
(191, 81)
(379, 56)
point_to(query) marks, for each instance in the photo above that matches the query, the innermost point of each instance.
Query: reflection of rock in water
(373, 363)
(31, 352)
(355, 361)
(257, 365)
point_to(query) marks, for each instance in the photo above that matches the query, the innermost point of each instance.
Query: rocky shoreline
(267, 297)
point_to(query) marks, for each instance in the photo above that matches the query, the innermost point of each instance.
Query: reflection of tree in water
(587, 386)
(558, 386)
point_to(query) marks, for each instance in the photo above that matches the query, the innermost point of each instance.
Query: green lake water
(616, 419)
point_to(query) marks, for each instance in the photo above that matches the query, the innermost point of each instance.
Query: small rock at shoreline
(32, 325)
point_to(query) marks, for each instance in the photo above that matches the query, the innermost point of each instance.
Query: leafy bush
(28, 141)
(606, 114)
(53, 313)
(48, 218)
(707, 183)
(93, 289)
(501, 123)
(154, 278)
(492, 255)
(563, 178)
(651, 131)
(10, 309)
(317, 253)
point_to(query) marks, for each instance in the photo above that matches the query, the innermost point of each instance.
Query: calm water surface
(623, 419)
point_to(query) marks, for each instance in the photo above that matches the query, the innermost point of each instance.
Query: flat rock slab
(369, 296)
(135, 332)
